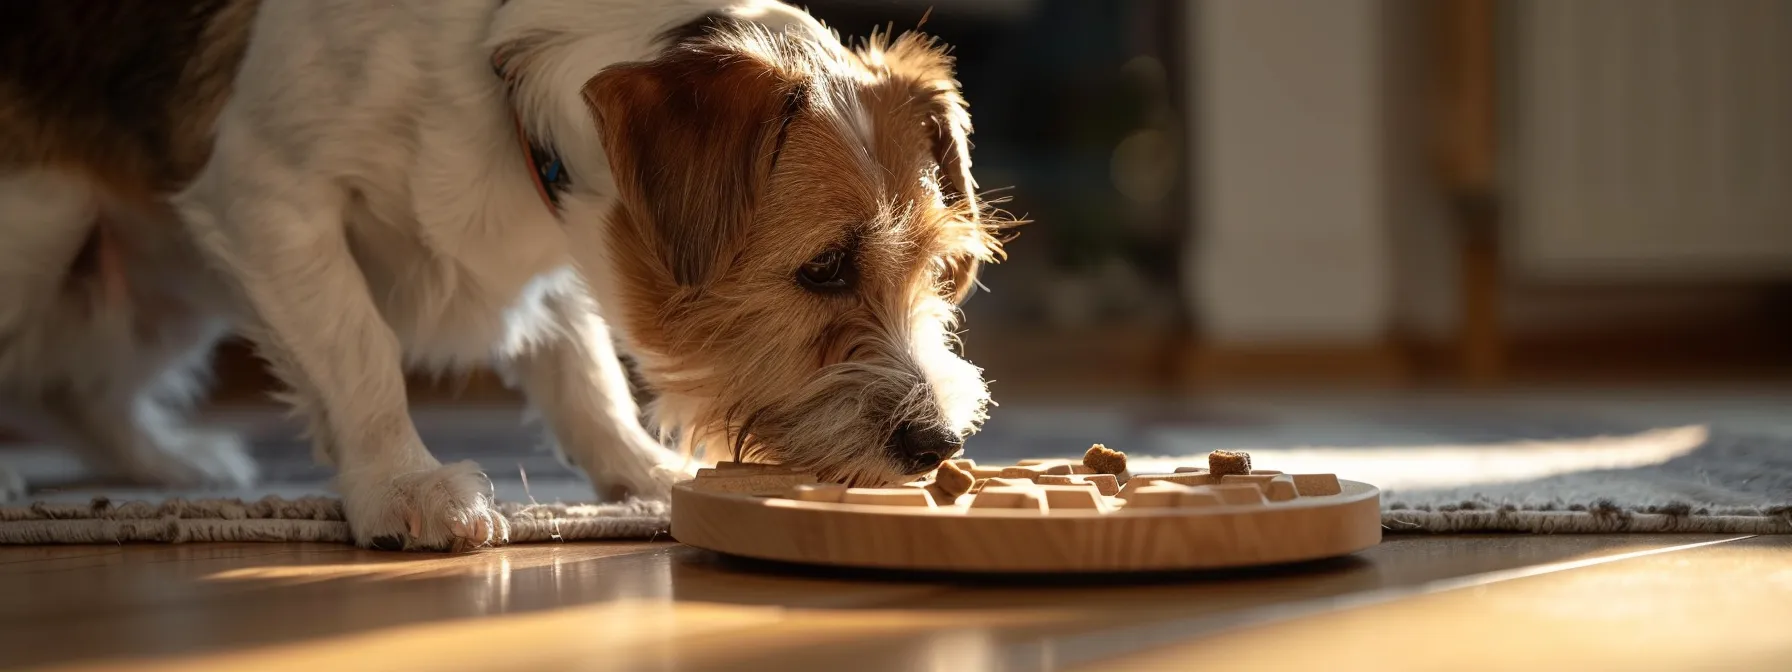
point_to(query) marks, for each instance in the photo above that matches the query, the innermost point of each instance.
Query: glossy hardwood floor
(1675, 602)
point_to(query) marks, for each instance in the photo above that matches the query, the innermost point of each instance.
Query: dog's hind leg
(83, 362)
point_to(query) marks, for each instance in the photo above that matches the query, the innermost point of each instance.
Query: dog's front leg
(315, 321)
(577, 384)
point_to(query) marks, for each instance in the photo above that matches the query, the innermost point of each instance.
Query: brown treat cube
(1238, 494)
(1226, 462)
(1026, 499)
(818, 492)
(1106, 484)
(748, 483)
(952, 479)
(1191, 470)
(1071, 497)
(888, 497)
(1264, 472)
(1317, 485)
(1105, 460)
(1280, 488)
(1155, 496)
(1260, 481)
(949, 483)
(941, 497)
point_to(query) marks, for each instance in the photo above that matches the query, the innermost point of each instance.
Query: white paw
(646, 472)
(445, 508)
(12, 485)
(194, 458)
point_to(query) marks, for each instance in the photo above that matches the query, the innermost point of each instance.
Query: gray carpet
(1589, 464)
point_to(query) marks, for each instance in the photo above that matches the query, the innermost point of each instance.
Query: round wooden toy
(1053, 522)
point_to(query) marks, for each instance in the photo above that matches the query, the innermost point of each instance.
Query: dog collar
(546, 169)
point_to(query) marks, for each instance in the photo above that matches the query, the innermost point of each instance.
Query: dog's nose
(923, 447)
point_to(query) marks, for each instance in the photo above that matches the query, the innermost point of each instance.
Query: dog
(778, 228)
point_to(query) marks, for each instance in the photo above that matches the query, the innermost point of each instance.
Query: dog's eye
(827, 272)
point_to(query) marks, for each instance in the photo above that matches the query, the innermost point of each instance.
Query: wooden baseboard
(1138, 360)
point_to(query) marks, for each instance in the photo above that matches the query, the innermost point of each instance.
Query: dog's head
(796, 228)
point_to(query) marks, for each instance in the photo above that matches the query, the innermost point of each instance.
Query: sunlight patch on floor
(1417, 467)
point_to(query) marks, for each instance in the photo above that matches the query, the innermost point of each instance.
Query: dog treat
(949, 483)
(1317, 485)
(1226, 463)
(1105, 460)
(818, 492)
(1281, 488)
(888, 496)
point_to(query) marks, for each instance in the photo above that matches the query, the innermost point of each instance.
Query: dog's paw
(12, 485)
(651, 482)
(446, 508)
(193, 458)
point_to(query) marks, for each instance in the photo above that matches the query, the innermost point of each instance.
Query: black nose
(923, 447)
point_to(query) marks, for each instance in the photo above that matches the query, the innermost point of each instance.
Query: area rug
(1679, 479)
(1687, 479)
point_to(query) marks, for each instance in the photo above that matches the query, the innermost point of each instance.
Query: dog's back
(124, 92)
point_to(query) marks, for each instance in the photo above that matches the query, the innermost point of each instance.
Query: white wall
(1293, 242)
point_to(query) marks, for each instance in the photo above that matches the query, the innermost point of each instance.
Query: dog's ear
(950, 126)
(925, 65)
(691, 139)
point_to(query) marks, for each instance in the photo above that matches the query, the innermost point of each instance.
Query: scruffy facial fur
(778, 228)
(742, 154)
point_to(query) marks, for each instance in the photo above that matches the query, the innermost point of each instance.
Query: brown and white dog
(778, 228)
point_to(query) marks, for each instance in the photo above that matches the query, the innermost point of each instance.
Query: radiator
(1647, 139)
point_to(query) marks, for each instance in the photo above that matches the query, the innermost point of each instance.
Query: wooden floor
(1679, 602)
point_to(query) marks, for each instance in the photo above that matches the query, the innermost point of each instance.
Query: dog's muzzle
(920, 448)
